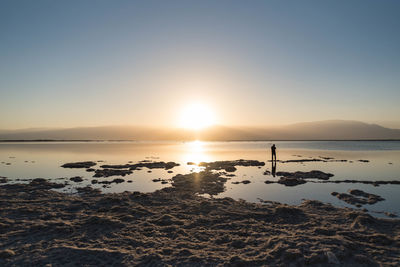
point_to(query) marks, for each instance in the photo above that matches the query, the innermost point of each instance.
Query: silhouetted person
(273, 168)
(273, 152)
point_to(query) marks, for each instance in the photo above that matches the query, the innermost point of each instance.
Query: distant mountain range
(321, 130)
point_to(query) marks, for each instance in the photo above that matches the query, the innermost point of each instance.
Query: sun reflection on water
(195, 152)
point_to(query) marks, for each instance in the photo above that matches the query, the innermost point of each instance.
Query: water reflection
(195, 152)
(273, 167)
(43, 160)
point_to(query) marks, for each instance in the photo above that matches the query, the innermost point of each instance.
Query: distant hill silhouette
(321, 130)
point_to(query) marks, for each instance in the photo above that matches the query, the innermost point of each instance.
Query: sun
(197, 116)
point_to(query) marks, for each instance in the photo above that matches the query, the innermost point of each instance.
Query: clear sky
(87, 63)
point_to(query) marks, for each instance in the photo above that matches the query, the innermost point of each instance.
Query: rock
(170, 165)
(230, 169)
(76, 179)
(291, 181)
(83, 164)
(371, 198)
(3, 180)
(118, 180)
(242, 182)
(229, 166)
(145, 163)
(303, 175)
(363, 160)
(111, 172)
(350, 199)
(358, 197)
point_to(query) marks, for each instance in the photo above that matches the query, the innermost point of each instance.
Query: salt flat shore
(175, 226)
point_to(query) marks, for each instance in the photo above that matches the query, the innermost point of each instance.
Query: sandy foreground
(174, 226)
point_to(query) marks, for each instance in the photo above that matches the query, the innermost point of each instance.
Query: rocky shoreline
(175, 226)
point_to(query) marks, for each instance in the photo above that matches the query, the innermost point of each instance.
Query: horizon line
(232, 140)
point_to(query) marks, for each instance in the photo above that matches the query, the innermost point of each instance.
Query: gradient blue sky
(86, 63)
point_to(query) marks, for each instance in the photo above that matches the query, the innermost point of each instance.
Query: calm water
(31, 160)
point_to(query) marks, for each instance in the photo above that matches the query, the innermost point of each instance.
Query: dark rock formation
(358, 197)
(242, 182)
(116, 180)
(111, 172)
(76, 179)
(229, 166)
(83, 164)
(291, 181)
(145, 163)
(303, 175)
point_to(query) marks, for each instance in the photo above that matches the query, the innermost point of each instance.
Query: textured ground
(173, 226)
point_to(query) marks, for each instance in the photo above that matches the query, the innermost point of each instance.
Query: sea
(362, 160)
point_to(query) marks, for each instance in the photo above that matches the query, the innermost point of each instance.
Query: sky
(93, 63)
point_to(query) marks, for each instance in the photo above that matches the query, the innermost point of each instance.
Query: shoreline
(174, 225)
(184, 141)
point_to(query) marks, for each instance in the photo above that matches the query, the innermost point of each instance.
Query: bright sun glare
(197, 116)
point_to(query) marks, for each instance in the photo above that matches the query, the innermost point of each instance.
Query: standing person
(273, 152)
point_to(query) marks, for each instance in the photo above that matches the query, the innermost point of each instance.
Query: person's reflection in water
(273, 168)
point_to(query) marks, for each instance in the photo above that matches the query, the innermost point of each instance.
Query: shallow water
(43, 159)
